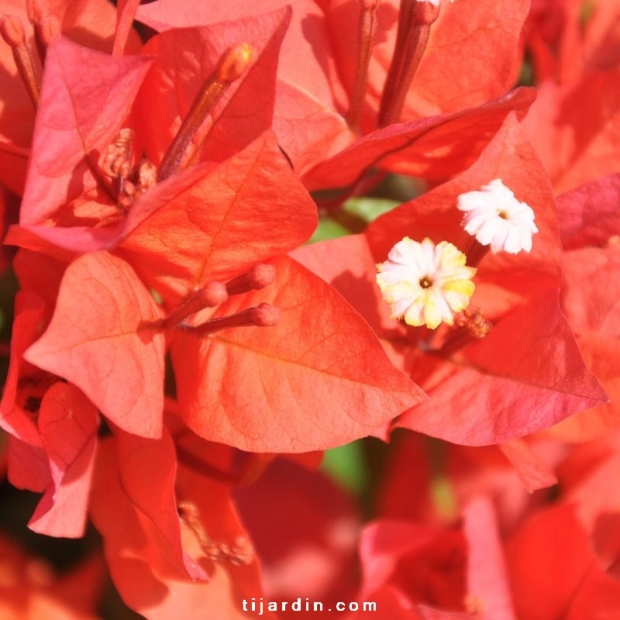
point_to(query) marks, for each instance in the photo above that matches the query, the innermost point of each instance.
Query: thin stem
(12, 31)
(367, 36)
(254, 466)
(211, 295)
(414, 26)
(263, 315)
(258, 277)
(232, 65)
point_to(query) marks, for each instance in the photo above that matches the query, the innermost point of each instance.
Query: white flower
(425, 284)
(496, 218)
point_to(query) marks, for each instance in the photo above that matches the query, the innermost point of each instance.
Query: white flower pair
(426, 284)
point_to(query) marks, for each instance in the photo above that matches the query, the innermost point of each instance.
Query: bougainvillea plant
(310, 307)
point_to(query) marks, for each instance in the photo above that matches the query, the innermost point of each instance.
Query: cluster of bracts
(181, 356)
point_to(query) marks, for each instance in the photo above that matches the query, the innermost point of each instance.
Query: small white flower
(425, 284)
(496, 218)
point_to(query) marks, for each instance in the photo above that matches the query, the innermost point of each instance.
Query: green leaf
(369, 208)
(346, 465)
(327, 229)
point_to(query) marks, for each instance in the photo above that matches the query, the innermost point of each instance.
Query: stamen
(240, 552)
(472, 319)
(367, 34)
(127, 182)
(12, 31)
(115, 163)
(146, 175)
(181, 151)
(472, 325)
(211, 295)
(141, 179)
(253, 467)
(414, 27)
(263, 315)
(115, 160)
(258, 277)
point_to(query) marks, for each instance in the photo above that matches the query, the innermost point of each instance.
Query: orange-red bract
(527, 373)
(317, 379)
(99, 340)
(134, 554)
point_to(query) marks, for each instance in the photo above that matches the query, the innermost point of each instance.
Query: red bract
(143, 534)
(450, 476)
(573, 123)
(305, 117)
(566, 38)
(317, 379)
(488, 586)
(75, 198)
(68, 423)
(308, 117)
(449, 77)
(425, 566)
(26, 385)
(215, 223)
(590, 301)
(308, 547)
(23, 381)
(252, 388)
(184, 59)
(89, 22)
(586, 479)
(573, 127)
(85, 95)
(96, 341)
(147, 472)
(434, 148)
(52, 424)
(553, 571)
(545, 570)
(590, 229)
(527, 373)
(27, 466)
(589, 215)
